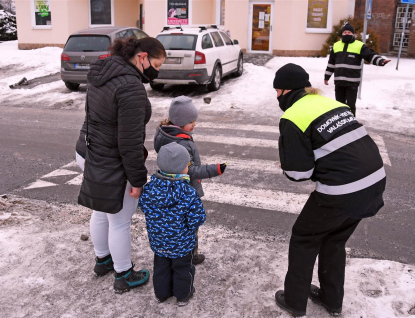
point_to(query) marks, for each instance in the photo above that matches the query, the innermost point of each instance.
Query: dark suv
(86, 45)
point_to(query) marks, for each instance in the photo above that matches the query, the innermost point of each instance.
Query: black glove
(222, 167)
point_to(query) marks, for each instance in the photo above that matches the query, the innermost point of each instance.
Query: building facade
(279, 27)
(387, 21)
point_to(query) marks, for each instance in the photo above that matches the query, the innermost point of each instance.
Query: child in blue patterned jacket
(173, 212)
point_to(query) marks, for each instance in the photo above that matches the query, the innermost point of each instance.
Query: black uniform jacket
(333, 149)
(345, 62)
(118, 111)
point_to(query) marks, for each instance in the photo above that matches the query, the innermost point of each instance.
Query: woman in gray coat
(111, 152)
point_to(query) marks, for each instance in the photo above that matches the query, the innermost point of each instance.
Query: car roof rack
(166, 28)
(205, 27)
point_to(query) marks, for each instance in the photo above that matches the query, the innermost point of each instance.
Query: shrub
(372, 42)
(8, 29)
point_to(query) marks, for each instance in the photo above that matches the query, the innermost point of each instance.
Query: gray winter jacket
(167, 134)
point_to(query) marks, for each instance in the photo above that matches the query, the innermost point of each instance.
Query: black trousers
(324, 232)
(173, 276)
(347, 95)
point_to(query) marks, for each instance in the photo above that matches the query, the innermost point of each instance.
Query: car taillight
(65, 57)
(104, 56)
(200, 58)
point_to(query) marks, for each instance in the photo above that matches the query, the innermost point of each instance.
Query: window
(319, 16)
(101, 12)
(41, 14)
(228, 41)
(124, 34)
(207, 42)
(178, 41)
(139, 34)
(220, 12)
(88, 43)
(217, 39)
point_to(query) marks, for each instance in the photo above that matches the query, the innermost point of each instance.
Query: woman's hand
(136, 192)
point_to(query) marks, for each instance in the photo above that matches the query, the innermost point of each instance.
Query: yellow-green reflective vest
(303, 112)
(354, 47)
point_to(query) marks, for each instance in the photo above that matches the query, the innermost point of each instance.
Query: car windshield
(88, 43)
(178, 41)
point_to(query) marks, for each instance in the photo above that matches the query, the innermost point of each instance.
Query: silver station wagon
(87, 45)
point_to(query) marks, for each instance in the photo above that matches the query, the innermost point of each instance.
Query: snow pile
(8, 30)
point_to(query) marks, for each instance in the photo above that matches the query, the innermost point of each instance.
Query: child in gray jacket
(179, 128)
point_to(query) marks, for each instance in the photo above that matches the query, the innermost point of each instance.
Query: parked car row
(84, 46)
(195, 55)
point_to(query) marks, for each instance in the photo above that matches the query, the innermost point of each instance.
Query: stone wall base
(307, 53)
(31, 46)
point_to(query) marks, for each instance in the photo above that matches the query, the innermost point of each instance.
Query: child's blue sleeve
(196, 215)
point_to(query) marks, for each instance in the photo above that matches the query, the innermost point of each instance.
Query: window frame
(100, 25)
(329, 24)
(33, 20)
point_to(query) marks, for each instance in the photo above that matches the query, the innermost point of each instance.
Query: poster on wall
(317, 14)
(177, 12)
(42, 12)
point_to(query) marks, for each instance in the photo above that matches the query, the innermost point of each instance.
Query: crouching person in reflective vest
(321, 140)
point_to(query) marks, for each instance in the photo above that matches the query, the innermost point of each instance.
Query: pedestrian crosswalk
(225, 190)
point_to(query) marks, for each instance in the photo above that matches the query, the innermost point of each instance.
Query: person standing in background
(345, 62)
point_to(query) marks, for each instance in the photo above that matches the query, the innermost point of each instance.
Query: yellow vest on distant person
(354, 47)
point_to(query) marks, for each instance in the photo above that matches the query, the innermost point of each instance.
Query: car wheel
(240, 68)
(216, 80)
(156, 87)
(72, 86)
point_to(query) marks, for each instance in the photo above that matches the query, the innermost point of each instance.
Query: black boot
(198, 259)
(279, 299)
(315, 296)
(130, 279)
(103, 265)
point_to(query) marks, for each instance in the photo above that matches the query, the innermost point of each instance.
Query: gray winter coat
(167, 134)
(118, 111)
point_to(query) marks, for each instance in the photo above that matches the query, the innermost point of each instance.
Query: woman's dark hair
(127, 48)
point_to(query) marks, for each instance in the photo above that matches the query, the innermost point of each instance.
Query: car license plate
(172, 60)
(82, 66)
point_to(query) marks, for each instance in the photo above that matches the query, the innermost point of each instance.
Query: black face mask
(282, 99)
(151, 73)
(347, 38)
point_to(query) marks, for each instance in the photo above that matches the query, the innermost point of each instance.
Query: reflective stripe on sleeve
(331, 65)
(348, 79)
(340, 142)
(353, 67)
(353, 186)
(298, 175)
(328, 73)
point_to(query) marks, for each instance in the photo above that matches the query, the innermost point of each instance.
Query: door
(260, 27)
(400, 16)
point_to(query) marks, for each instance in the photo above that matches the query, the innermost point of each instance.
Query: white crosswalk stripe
(237, 141)
(254, 198)
(268, 166)
(215, 191)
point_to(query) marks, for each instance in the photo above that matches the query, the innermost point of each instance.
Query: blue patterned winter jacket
(173, 212)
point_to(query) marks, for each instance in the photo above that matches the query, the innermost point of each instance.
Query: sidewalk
(47, 272)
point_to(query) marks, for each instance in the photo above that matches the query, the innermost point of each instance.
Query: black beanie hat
(291, 76)
(347, 27)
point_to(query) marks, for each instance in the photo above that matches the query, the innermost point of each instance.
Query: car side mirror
(235, 42)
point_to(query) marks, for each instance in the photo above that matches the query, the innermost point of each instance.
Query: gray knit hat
(182, 111)
(173, 158)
